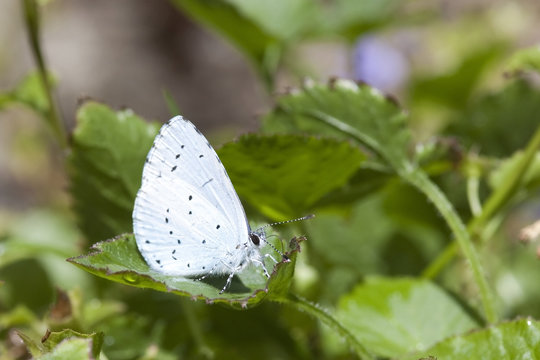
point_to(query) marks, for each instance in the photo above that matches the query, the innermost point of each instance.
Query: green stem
(31, 15)
(494, 203)
(508, 188)
(423, 183)
(473, 184)
(173, 107)
(321, 314)
(440, 262)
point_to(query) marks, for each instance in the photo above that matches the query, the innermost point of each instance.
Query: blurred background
(438, 59)
(128, 52)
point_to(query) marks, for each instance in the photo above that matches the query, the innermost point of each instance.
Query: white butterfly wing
(187, 216)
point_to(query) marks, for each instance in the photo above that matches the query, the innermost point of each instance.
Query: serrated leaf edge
(96, 249)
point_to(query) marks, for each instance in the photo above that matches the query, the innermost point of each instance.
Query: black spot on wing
(173, 168)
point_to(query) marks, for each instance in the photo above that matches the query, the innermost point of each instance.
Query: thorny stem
(423, 183)
(420, 180)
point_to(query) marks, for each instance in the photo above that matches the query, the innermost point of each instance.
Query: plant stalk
(31, 16)
(493, 204)
(423, 183)
(321, 314)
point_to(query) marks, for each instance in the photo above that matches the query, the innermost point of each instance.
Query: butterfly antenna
(263, 238)
(307, 217)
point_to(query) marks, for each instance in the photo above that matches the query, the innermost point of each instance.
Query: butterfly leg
(261, 263)
(229, 279)
(234, 270)
(271, 257)
(203, 277)
(228, 283)
(210, 273)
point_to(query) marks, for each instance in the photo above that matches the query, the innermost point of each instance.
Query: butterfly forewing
(187, 216)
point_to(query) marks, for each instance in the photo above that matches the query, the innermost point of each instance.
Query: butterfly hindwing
(179, 235)
(187, 215)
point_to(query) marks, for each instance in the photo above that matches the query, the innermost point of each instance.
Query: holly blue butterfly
(188, 220)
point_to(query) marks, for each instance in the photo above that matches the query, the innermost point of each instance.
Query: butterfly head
(255, 238)
(259, 235)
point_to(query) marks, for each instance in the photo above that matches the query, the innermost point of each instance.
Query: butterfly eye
(255, 239)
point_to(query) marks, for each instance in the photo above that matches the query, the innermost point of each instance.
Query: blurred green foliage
(108, 149)
(392, 187)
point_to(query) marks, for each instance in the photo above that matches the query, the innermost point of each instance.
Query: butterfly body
(188, 220)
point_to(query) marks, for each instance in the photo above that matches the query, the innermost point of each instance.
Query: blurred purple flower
(379, 64)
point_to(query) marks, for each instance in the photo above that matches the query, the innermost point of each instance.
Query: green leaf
(264, 29)
(357, 241)
(351, 18)
(105, 167)
(283, 176)
(29, 92)
(346, 110)
(129, 335)
(284, 19)
(524, 60)
(96, 312)
(361, 184)
(55, 344)
(345, 248)
(73, 349)
(119, 260)
(37, 233)
(453, 89)
(34, 348)
(392, 317)
(518, 339)
(27, 283)
(261, 47)
(18, 316)
(500, 123)
(420, 231)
